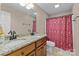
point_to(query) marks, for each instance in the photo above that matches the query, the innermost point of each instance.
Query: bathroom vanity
(36, 46)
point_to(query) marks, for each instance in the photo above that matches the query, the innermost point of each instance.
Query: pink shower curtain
(34, 26)
(59, 30)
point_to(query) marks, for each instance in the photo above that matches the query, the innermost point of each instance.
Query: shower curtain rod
(61, 16)
(75, 18)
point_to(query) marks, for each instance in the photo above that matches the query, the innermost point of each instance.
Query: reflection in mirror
(21, 15)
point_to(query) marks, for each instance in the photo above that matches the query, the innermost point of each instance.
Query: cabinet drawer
(15, 53)
(26, 50)
(44, 44)
(40, 42)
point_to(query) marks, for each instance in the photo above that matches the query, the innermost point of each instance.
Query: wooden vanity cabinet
(31, 54)
(24, 51)
(28, 49)
(41, 47)
(16, 53)
(41, 51)
(37, 48)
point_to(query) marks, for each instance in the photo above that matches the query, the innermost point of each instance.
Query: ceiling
(50, 10)
(47, 7)
(19, 8)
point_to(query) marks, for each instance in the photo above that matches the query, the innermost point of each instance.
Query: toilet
(50, 48)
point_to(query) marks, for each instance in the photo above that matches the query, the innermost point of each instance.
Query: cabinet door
(28, 49)
(32, 54)
(41, 51)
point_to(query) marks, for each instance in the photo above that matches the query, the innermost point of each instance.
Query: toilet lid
(50, 43)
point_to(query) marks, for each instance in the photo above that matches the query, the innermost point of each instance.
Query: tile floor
(58, 52)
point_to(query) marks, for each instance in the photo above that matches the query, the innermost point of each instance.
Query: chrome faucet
(12, 35)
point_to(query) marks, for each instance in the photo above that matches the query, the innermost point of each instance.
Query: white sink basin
(14, 43)
(18, 41)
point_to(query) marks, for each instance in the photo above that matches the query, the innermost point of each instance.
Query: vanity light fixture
(29, 6)
(35, 13)
(22, 4)
(56, 6)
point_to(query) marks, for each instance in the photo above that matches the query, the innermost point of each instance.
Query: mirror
(20, 18)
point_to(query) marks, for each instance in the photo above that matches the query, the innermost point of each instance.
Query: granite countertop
(15, 44)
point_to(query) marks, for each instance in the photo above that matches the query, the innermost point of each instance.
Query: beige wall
(5, 22)
(61, 14)
(41, 20)
(76, 28)
(0, 6)
(19, 21)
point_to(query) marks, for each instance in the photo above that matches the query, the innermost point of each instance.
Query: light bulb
(29, 6)
(35, 13)
(57, 5)
(22, 4)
